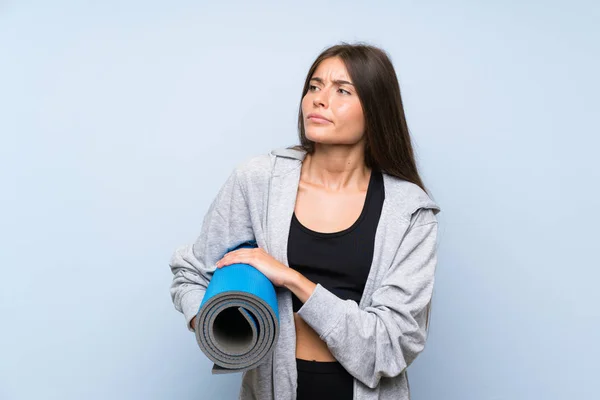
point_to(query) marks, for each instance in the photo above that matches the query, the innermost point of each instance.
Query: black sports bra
(339, 261)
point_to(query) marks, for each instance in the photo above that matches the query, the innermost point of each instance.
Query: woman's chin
(320, 135)
(328, 138)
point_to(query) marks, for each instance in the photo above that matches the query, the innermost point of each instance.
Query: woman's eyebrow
(337, 81)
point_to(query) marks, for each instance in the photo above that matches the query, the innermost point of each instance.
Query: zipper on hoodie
(266, 221)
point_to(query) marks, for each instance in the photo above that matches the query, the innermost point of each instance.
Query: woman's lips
(318, 120)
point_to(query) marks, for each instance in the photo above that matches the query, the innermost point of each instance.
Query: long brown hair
(388, 143)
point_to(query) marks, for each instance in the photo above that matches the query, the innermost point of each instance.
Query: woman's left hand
(275, 271)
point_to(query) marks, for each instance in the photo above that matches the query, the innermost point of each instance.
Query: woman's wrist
(301, 286)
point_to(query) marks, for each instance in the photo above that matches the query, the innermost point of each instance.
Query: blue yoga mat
(237, 324)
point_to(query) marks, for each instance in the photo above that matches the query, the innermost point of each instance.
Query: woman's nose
(320, 99)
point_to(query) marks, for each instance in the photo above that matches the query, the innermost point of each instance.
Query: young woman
(346, 232)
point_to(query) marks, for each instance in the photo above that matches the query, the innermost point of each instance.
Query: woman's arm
(384, 338)
(193, 265)
(300, 285)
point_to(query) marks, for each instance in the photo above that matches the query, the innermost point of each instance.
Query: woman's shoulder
(255, 165)
(262, 164)
(407, 197)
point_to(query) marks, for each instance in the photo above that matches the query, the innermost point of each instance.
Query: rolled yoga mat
(237, 324)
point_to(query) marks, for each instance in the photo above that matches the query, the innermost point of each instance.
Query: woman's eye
(344, 91)
(312, 87)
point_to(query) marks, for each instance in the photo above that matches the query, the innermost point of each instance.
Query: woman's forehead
(331, 69)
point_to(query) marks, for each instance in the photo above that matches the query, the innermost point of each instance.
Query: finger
(235, 252)
(238, 253)
(232, 259)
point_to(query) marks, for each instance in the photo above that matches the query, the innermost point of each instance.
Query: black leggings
(320, 380)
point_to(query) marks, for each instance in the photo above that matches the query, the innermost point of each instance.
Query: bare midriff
(308, 344)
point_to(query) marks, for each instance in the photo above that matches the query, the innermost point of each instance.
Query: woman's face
(332, 96)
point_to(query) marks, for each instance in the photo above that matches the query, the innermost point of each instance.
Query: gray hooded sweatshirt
(375, 340)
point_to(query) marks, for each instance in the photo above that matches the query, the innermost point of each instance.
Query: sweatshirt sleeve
(226, 224)
(384, 338)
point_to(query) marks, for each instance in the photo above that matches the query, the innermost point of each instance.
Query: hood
(290, 152)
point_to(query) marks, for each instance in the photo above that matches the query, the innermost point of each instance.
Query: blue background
(120, 120)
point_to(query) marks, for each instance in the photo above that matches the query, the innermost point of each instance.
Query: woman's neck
(336, 167)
